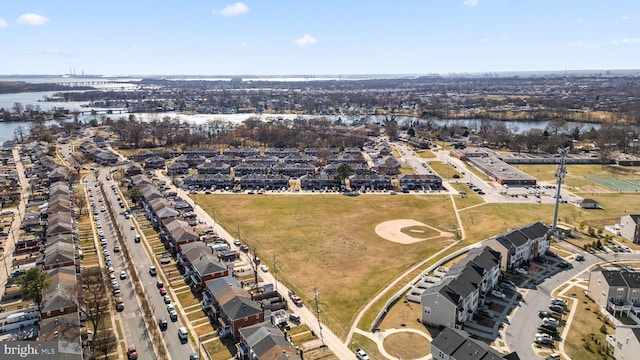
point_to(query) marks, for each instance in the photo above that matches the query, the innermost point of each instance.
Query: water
(35, 98)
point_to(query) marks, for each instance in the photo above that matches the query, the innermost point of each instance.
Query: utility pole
(560, 172)
(274, 271)
(315, 295)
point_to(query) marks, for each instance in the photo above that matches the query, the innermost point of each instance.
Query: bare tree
(103, 342)
(92, 297)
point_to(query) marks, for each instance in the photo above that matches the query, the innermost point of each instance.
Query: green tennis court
(619, 185)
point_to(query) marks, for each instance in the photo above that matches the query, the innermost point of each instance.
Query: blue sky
(316, 37)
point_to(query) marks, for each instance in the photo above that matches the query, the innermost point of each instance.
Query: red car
(163, 291)
(119, 304)
(132, 354)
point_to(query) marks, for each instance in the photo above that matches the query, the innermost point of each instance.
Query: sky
(316, 37)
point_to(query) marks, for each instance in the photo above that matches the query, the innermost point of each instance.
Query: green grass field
(329, 241)
(444, 170)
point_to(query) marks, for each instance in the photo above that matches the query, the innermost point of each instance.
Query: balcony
(619, 305)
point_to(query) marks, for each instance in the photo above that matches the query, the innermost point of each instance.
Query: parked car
(264, 268)
(162, 323)
(163, 291)
(132, 353)
(560, 302)
(486, 313)
(159, 284)
(563, 264)
(549, 331)
(498, 294)
(549, 326)
(556, 308)
(173, 315)
(119, 304)
(123, 275)
(361, 354)
(522, 271)
(507, 286)
(194, 356)
(545, 314)
(579, 258)
(167, 299)
(543, 335)
(544, 342)
(550, 320)
(153, 271)
(182, 334)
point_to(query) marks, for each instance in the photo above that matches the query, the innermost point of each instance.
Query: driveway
(522, 323)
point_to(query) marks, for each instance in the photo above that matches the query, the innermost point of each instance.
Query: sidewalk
(332, 341)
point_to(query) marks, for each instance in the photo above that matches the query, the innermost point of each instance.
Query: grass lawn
(488, 220)
(396, 344)
(405, 169)
(464, 201)
(443, 169)
(361, 342)
(585, 329)
(218, 350)
(187, 299)
(337, 230)
(425, 154)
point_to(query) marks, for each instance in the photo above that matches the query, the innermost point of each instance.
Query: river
(7, 101)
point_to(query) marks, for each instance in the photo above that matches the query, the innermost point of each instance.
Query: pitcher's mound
(392, 231)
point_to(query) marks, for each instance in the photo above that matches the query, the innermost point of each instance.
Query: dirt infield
(390, 230)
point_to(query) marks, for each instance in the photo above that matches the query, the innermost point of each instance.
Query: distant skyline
(317, 37)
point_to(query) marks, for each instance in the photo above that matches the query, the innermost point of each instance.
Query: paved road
(134, 320)
(10, 244)
(522, 323)
(333, 342)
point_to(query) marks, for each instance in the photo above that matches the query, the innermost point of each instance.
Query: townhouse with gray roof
(454, 300)
(454, 344)
(616, 290)
(265, 341)
(521, 245)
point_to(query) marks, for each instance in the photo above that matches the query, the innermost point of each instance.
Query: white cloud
(487, 39)
(31, 19)
(233, 9)
(625, 17)
(471, 3)
(3, 23)
(625, 41)
(54, 52)
(242, 45)
(305, 40)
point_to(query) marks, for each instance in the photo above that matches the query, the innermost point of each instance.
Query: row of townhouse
(521, 245)
(174, 231)
(60, 258)
(455, 299)
(456, 344)
(235, 312)
(98, 154)
(617, 291)
(291, 162)
(230, 306)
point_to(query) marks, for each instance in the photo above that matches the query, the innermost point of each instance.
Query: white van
(294, 318)
(182, 334)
